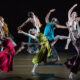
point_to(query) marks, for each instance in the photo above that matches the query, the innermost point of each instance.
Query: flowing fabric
(73, 64)
(45, 50)
(7, 57)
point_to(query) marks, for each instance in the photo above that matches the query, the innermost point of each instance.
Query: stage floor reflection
(50, 71)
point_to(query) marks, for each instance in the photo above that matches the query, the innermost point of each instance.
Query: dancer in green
(45, 50)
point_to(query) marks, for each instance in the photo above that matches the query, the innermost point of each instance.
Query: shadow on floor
(47, 76)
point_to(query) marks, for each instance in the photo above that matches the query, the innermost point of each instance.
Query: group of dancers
(41, 44)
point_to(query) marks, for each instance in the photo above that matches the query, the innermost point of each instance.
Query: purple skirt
(73, 64)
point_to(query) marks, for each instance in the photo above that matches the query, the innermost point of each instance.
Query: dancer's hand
(75, 4)
(19, 28)
(20, 31)
(52, 10)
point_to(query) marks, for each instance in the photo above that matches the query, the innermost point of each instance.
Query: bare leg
(68, 42)
(76, 48)
(34, 68)
(71, 75)
(20, 49)
(59, 37)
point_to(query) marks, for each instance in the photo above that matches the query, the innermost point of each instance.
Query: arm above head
(48, 15)
(70, 11)
(27, 34)
(28, 20)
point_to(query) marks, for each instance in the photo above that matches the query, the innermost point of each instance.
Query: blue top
(30, 40)
(49, 31)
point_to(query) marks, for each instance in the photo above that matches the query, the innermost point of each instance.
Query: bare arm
(28, 20)
(70, 11)
(60, 26)
(27, 34)
(48, 15)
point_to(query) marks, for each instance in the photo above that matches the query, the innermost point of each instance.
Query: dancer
(73, 64)
(45, 50)
(37, 24)
(49, 31)
(4, 31)
(72, 22)
(33, 19)
(7, 56)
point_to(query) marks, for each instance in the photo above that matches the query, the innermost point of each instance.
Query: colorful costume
(45, 50)
(5, 28)
(7, 56)
(73, 64)
(49, 33)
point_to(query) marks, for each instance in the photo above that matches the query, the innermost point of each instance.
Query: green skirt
(41, 56)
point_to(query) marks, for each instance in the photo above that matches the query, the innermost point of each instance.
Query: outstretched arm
(48, 15)
(28, 20)
(27, 34)
(70, 11)
(60, 26)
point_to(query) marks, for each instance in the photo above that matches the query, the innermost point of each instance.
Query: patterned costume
(45, 50)
(5, 28)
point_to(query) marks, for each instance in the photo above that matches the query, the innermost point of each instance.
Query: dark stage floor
(51, 71)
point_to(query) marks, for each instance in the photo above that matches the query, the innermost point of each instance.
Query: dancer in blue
(49, 31)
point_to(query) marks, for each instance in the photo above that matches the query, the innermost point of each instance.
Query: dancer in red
(7, 56)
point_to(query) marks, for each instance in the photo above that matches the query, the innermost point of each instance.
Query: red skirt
(6, 60)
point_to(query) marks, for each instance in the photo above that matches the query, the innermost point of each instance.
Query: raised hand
(52, 10)
(75, 4)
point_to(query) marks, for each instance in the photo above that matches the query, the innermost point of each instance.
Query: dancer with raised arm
(37, 24)
(72, 22)
(49, 31)
(73, 64)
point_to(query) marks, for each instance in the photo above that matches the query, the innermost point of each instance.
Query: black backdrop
(15, 13)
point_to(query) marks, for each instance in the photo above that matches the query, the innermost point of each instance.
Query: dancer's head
(74, 15)
(33, 31)
(1, 21)
(55, 20)
(30, 14)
